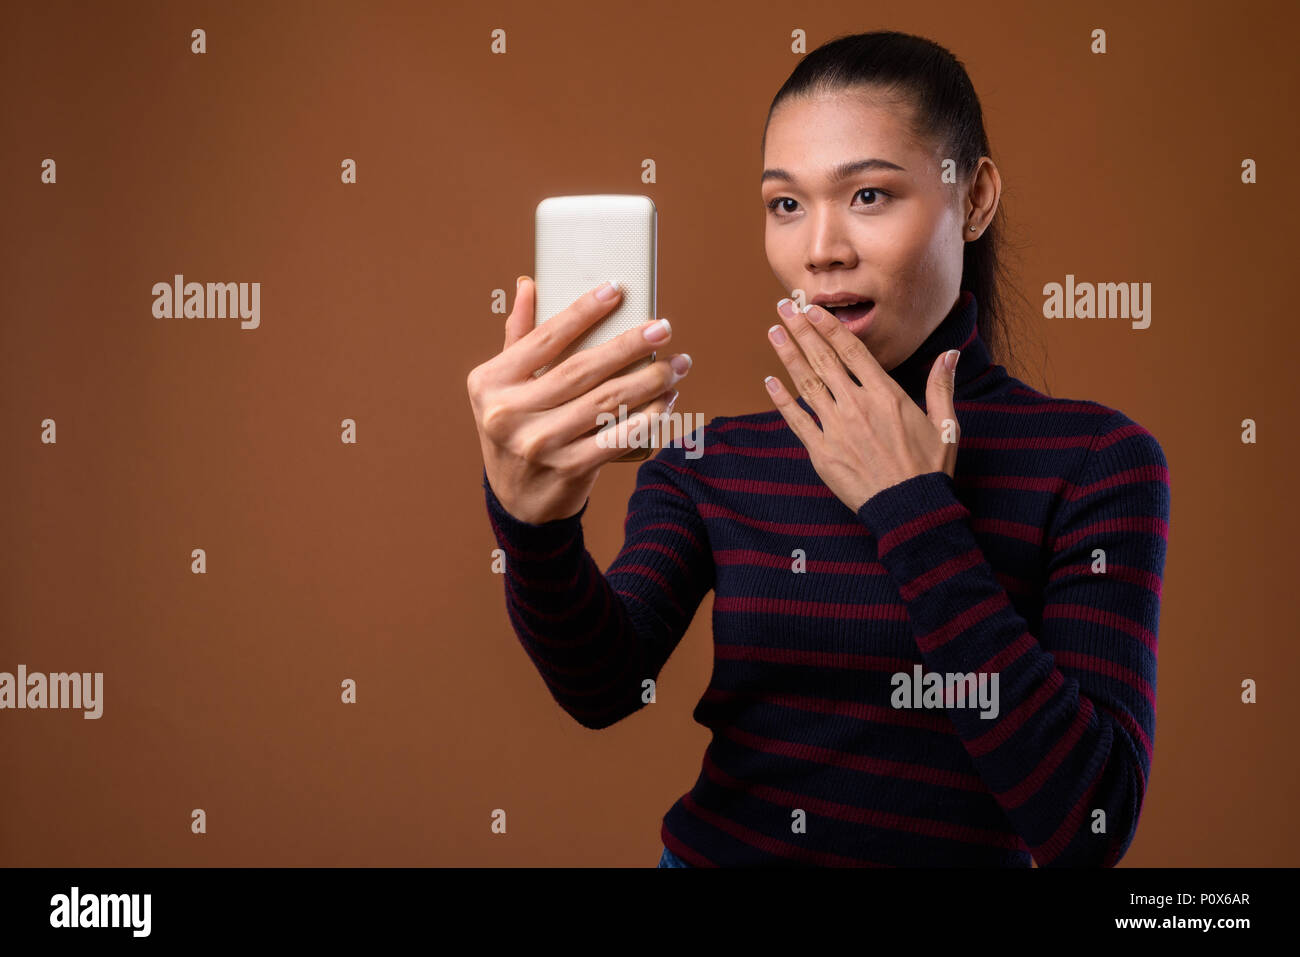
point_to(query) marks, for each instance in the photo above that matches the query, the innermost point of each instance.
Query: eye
(772, 206)
(869, 189)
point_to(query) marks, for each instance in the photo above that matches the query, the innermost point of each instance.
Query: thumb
(520, 321)
(939, 400)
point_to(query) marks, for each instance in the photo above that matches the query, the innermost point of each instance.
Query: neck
(958, 330)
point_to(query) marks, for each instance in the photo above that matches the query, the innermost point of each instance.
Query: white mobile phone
(580, 241)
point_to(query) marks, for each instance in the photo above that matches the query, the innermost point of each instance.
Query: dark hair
(945, 112)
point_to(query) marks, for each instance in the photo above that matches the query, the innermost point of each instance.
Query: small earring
(972, 229)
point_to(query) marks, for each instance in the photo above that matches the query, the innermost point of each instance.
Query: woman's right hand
(538, 433)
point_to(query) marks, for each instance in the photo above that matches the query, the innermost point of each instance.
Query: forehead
(808, 135)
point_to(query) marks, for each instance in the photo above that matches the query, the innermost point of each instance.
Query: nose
(829, 246)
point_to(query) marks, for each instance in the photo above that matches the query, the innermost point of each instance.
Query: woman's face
(892, 235)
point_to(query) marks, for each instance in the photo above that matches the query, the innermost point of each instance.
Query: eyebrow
(838, 173)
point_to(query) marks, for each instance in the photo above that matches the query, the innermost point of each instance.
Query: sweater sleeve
(595, 638)
(1068, 753)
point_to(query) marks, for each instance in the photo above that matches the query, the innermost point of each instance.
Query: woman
(937, 591)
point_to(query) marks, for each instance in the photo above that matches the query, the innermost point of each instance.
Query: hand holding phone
(538, 433)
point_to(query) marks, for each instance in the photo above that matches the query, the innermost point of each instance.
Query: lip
(858, 325)
(846, 296)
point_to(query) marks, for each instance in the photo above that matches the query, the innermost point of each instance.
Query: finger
(806, 381)
(543, 343)
(588, 368)
(800, 422)
(941, 409)
(817, 352)
(616, 440)
(613, 399)
(520, 320)
(851, 350)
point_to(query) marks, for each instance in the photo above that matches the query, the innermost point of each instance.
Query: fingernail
(786, 308)
(659, 331)
(772, 383)
(681, 364)
(607, 291)
(950, 360)
(777, 334)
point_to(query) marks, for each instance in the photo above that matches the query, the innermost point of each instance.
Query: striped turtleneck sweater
(963, 672)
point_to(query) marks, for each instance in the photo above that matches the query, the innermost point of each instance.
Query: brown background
(327, 561)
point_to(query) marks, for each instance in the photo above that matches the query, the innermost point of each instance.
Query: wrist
(558, 510)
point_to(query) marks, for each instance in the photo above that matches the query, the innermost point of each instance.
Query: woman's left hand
(872, 435)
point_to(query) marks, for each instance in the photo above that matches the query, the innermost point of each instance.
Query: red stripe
(1013, 720)
(1101, 616)
(513, 552)
(885, 820)
(1053, 407)
(816, 659)
(1103, 666)
(961, 621)
(687, 854)
(1019, 795)
(767, 844)
(857, 710)
(1051, 849)
(1140, 523)
(849, 529)
(752, 558)
(881, 767)
(1020, 531)
(922, 523)
(650, 547)
(1133, 728)
(1131, 574)
(923, 582)
(1146, 473)
(755, 605)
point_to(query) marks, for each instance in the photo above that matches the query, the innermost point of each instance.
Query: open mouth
(852, 311)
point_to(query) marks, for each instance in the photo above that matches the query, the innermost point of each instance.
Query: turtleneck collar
(958, 330)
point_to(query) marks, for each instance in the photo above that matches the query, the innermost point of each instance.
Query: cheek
(907, 258)
(918, 250)
(901, 248)
(925, 262)
(777, 257)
